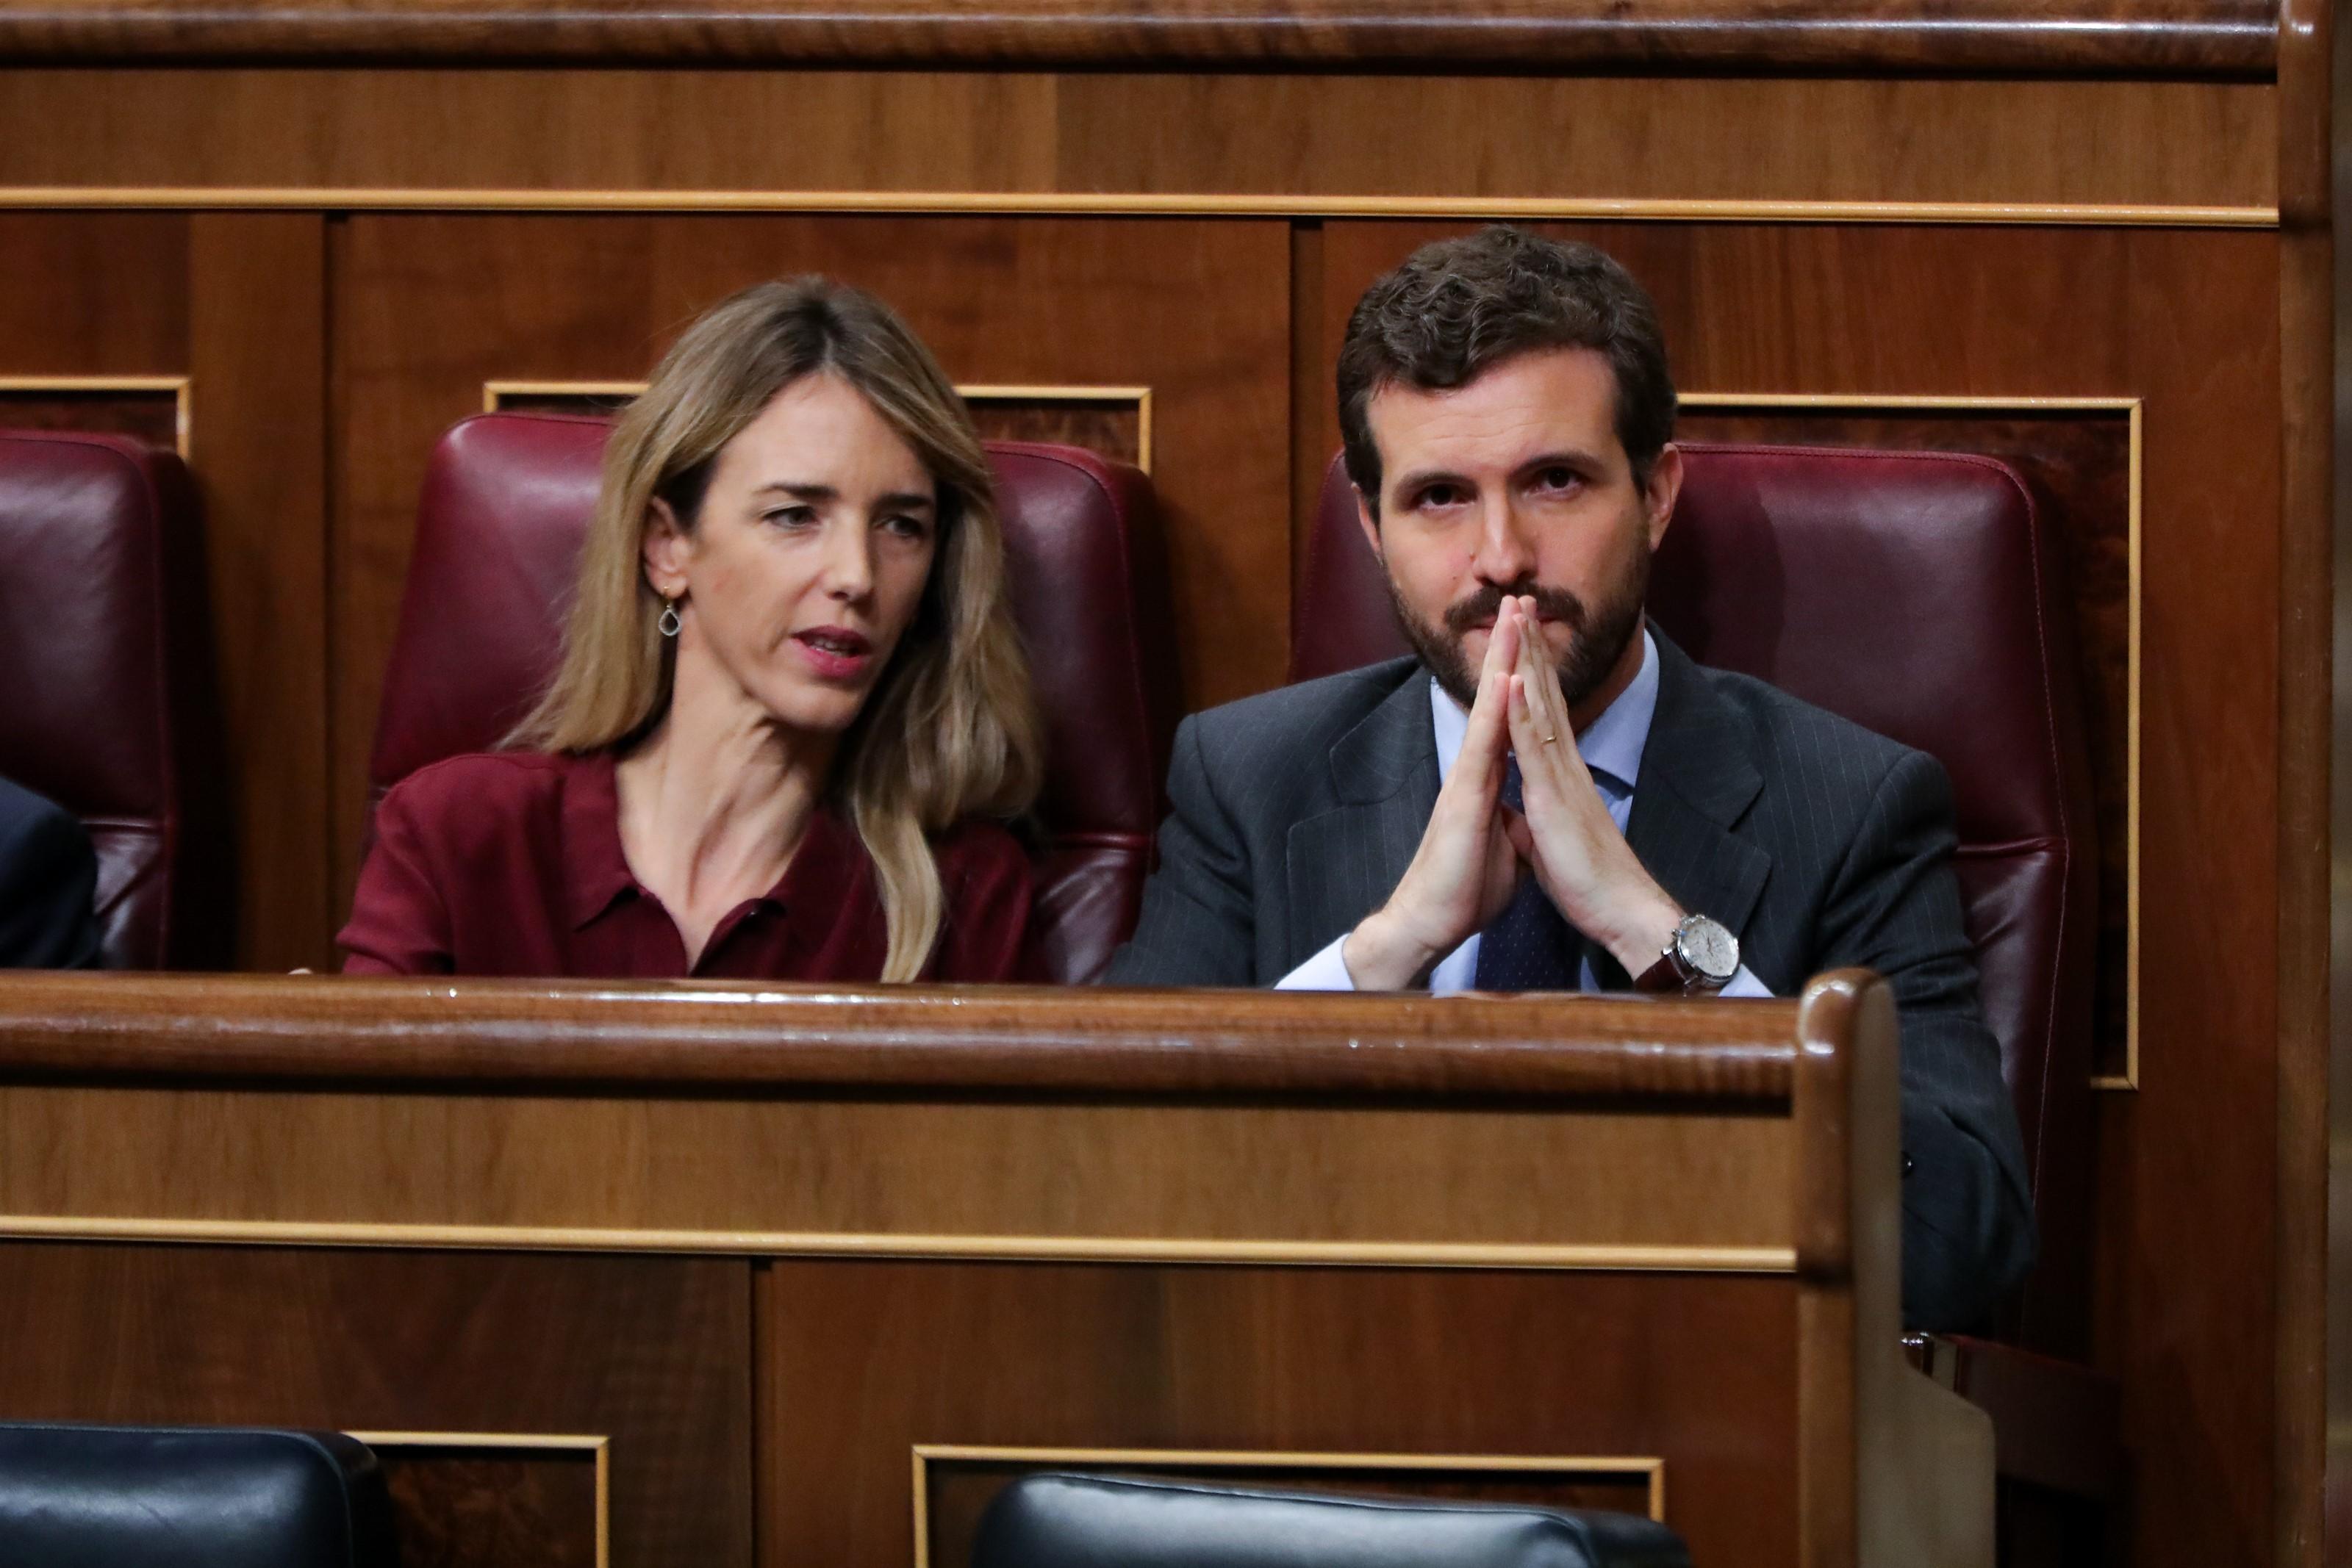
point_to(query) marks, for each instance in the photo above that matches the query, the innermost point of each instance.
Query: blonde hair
(951, 729)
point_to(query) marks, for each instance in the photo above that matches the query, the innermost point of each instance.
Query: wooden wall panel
(1176, 135)
(1075, 1357)
(429, 308)
(2186, 1165)
(257, 283)
(653, 1354)
(94, 294)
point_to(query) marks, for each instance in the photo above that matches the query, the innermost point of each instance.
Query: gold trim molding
(1651, 1469)
(1058, 203)
(496, 393)
(599, 1446)
(180, 387)
(2130, 409)
(1570, 1256)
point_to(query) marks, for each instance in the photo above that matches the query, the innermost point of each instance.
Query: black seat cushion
(145, 1497)
(1052, 1521)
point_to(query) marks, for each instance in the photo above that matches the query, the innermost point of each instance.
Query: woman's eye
(907, 528)
(791, 516)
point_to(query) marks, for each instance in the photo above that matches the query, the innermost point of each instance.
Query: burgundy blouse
(510, 864)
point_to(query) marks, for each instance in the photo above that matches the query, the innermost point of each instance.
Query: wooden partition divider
(714, 1276)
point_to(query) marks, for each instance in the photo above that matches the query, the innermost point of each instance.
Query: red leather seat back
(507, 503)
(1918, 594)
(110, 709)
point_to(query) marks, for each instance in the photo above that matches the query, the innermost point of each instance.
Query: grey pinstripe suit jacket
(1821, 843)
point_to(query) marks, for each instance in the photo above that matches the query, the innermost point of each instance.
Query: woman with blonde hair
(791, 705)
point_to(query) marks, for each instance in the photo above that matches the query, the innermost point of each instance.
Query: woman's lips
(835, 652)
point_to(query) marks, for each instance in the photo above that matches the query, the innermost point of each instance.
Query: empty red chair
(499, 529)
(109, 707)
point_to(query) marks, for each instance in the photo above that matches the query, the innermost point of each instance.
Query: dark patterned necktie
(1528, 948)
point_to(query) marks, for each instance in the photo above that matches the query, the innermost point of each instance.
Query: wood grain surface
(343, 133)
(2227, 37)
(114, 1029)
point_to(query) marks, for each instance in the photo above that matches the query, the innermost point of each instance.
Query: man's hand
(1586, 868)
(1465, 870)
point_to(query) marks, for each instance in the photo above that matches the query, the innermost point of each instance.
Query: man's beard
(1597, 638)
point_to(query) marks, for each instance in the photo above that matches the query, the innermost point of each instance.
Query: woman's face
(809, 558)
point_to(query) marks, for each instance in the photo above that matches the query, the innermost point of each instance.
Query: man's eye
(1442, 496)
(1557, 480)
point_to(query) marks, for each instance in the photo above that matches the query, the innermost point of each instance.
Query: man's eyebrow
(1567, 457)
(1423, 478)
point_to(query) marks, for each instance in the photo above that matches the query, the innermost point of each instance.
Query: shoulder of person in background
(48, 884)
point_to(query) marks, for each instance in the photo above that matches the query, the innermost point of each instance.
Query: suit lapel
(1343, 863)
(1698, 778)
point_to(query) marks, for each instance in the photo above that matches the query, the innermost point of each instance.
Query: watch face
(1709, 948)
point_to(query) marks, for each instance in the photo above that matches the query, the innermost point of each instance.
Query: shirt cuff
(1746, 984)
(1326, 971)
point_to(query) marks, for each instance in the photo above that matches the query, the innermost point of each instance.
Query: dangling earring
(669, 621)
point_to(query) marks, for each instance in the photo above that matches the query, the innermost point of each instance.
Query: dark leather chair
(1049, 1520)
(110, 710)
(507, 502)
(1918, 594)
(146, 1497)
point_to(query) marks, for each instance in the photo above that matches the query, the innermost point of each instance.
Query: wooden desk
(789, 1276)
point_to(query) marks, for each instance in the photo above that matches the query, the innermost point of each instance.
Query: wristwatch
(1699, 960)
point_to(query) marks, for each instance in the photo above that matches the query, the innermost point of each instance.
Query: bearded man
(1549, 795)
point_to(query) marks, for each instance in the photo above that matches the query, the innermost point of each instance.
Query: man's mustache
(1482, 607)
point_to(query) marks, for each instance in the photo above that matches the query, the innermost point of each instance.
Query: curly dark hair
(1458, 308)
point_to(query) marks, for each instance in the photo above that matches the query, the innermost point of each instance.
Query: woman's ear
(664, 550)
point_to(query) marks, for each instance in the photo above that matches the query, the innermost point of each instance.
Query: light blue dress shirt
(1612, 747)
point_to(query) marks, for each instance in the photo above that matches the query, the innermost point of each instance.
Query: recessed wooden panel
(1047, 303)
(654, 1352)
(1110, 422)
(1298, 1361)
(2079, 464)
(955, 1488)
(152, 411)
(2188, 323)
(466, 1503)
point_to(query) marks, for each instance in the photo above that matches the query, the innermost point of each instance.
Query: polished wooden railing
(2058, 37)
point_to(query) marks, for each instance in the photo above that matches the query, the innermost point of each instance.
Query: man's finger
(1482, 742)
(1543, 680)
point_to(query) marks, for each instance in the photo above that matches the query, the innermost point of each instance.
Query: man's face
(1517, 483)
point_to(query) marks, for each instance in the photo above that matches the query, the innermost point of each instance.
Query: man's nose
(1505, 555)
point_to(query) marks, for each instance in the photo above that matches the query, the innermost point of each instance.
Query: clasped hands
(1477, 847)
